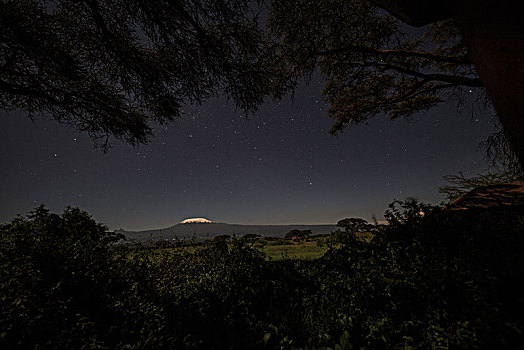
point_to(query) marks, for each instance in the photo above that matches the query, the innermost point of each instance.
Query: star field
(277, 166)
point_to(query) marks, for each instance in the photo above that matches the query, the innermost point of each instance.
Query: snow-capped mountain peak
(196, 221)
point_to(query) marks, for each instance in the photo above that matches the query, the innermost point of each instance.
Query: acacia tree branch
(192, 21)
(401, 53)
(447, 78)
(453, 79)
(99, 20)
(414, 92)
(27, 91)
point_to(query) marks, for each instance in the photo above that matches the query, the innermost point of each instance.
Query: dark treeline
(446, 280)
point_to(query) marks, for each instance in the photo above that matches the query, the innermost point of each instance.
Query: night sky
(279, 166)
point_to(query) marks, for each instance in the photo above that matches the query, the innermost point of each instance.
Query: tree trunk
(493, 32)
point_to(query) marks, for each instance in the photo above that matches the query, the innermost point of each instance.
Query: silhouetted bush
(430, 279)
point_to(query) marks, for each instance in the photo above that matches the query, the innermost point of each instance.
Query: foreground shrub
(431, 279)
(428, 279)
(56, 280)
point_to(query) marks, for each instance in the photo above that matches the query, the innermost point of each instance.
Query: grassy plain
(298, 250)
(274, 249)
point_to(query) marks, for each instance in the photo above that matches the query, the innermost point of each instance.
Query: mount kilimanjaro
(202, 229)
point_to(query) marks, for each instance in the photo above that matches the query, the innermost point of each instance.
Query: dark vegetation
(116, 68)
(430, 279)
(441, 280)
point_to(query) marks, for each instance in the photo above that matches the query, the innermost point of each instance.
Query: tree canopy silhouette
(370, 65)
(493, 34)
(112, 68)
(374, 65)
(352, 225)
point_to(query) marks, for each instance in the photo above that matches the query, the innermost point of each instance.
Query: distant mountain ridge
(202, 231)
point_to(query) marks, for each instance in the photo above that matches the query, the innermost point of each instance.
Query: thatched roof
(509, 194)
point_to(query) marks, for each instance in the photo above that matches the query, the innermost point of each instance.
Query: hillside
(210, 230)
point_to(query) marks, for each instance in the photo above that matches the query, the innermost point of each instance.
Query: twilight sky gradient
(280, 166)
